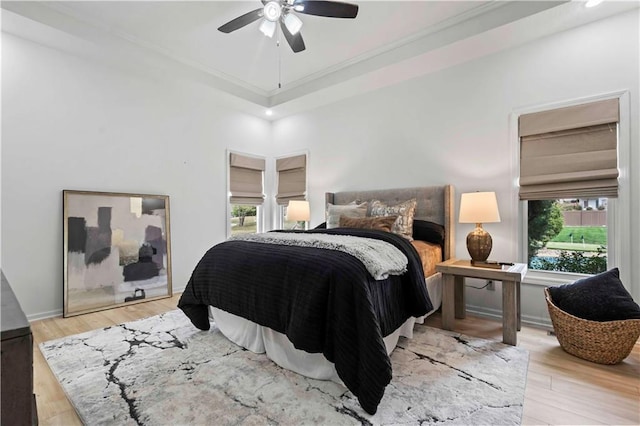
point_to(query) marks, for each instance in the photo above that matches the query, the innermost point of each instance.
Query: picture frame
(117, 250)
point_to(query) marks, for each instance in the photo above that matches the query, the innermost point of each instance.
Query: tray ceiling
(343, 56)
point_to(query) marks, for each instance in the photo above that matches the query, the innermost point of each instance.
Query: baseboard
(495, 314)
(58, 312)
(44, 315)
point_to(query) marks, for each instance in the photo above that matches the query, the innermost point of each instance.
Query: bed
(320, 312)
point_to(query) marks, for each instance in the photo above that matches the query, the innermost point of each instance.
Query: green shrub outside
(576, 262)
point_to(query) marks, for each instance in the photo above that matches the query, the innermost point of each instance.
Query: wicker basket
(603, 342)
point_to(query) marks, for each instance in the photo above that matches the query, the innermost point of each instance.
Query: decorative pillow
(405, 212)
(334, 211)
(430, 232)
(381, 223)
(601, 297)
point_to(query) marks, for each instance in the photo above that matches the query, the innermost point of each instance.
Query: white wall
(453, 127)
(68, 123)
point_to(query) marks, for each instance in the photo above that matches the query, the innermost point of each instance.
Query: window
(292, 185)
(244, 219)
(569, 179)
(246, 183)
(568, 235)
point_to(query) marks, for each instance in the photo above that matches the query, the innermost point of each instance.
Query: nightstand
(454, 272)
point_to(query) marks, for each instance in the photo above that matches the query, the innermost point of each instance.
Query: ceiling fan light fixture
(268, 28)
(293, 23)
(284, 13)
(272, 11)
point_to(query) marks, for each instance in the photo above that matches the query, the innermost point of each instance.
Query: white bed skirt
(280, 350)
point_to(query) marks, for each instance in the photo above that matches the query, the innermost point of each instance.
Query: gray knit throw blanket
(379, 257)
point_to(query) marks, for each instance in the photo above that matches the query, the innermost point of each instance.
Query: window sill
(547, 279)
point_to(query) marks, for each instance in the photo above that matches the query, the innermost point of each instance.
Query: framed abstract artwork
(117, 250)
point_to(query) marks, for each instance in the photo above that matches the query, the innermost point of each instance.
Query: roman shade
(245, 179)
(570, 152)
(292, 178)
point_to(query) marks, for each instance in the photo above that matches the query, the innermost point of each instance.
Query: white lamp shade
(268, 28)
(479, 207)
(298, 210)
(293, 23)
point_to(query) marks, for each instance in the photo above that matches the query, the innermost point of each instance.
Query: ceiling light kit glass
(293, 23)
(272, 11)
(268, 28)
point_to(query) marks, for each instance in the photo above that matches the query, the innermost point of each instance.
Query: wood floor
(561, 389)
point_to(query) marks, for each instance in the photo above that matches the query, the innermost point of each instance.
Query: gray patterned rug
(162, 370)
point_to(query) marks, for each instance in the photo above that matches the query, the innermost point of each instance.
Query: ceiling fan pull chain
(279, 60)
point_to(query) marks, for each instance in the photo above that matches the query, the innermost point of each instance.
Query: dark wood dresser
(18, 401)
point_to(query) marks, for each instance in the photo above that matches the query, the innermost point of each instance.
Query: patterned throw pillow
(405, 212)
(380, 223)
(353, 209)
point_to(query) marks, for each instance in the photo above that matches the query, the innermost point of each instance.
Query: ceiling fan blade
(241, 21)
(295, 40)
(330, 9)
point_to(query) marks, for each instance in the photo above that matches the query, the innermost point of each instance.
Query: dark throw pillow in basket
(601, 297)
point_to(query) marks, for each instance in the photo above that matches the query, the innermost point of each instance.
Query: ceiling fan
(282, 11)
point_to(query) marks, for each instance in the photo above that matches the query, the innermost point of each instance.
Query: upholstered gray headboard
(435, 204)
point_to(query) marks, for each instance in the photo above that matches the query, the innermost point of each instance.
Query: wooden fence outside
(585, 218)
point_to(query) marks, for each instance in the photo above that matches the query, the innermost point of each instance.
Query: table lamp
(298, 211)
(479, 208)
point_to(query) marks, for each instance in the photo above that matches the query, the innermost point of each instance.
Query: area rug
(162, 370)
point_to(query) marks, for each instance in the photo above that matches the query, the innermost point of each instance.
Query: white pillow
(334, 211)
